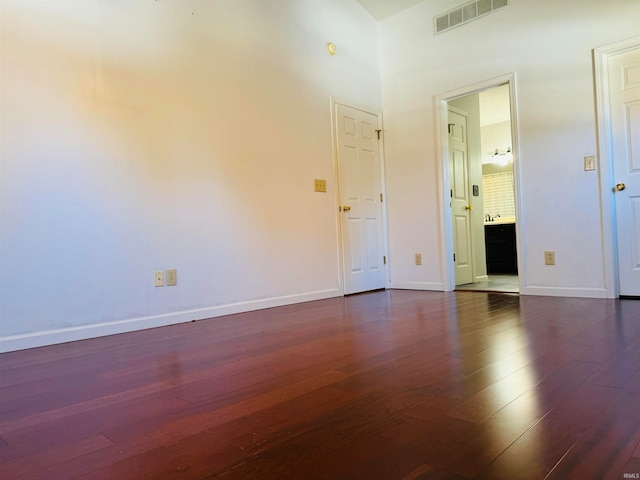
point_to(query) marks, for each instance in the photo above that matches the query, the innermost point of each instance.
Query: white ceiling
(381, 9)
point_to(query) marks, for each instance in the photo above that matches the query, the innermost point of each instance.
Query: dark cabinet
(500, 245)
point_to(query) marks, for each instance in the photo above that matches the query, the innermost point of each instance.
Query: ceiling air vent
(466, 13)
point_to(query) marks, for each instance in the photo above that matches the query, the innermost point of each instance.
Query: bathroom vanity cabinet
(500, 244)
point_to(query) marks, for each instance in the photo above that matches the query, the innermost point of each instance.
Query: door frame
(605, 161)
(333, 102)
(442, 147)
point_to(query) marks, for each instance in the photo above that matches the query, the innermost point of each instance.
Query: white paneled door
(459, 197)
(624, 102)
(360, 190)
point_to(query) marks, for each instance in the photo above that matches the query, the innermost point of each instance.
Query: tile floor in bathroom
(495, 283)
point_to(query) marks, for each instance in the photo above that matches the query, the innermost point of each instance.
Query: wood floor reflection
(388, 385)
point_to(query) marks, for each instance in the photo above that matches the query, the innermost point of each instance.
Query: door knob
(621, 186)
(468, 207)
(346, 208)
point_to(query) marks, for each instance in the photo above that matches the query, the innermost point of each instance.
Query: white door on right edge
(624, 102)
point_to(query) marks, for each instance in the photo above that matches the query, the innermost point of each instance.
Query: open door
(460, 197)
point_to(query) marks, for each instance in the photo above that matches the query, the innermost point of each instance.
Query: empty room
(319, 239)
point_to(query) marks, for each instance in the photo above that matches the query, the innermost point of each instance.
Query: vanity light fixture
(502, 158)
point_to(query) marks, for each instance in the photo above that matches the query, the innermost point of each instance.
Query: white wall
(497, 179)
(548, 45)
(495, 136)
(139, 136)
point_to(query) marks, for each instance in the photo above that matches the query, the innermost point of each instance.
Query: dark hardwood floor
(387, 385)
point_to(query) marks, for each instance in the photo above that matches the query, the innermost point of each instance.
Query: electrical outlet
(589, 163)
(158, 278)
(418, 259)
(172, 277)
(549, 258)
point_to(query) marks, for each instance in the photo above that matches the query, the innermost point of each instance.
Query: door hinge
(378, 132)
(381, 198)
(384, 259)
(454, 257)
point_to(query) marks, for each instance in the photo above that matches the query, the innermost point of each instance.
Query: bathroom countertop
(501, 221)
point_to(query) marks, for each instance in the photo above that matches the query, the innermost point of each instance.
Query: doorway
(489, 187)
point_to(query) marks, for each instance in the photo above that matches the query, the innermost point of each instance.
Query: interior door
(360, 190)
(624, 101)
(460, 201)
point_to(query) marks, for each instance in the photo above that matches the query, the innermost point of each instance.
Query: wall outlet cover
(158, 278)
(172, 277)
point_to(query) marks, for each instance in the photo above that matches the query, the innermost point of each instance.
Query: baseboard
(437, 286)
(565, 292)
(481, 278)
(51, 337)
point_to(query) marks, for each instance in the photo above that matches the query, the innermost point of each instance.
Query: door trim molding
(333, 103)
(605, 162)
(442, 151)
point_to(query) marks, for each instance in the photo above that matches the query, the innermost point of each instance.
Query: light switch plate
(549, 258)
(319, 185)
(589, 163)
